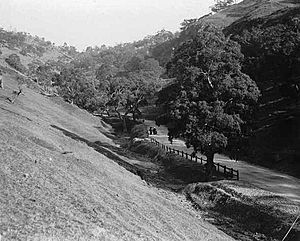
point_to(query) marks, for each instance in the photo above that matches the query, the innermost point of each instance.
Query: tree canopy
(212, 95)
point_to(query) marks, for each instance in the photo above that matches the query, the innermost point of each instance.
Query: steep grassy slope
(59, 181)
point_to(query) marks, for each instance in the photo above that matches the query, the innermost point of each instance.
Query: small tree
(221, 5)
(211, 95)
(129, 88)
(14, 61)
(76, 89)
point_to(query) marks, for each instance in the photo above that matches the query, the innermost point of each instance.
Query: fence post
(224, 170)
(182, 153)
(186, 156)
(231, 172)
(218, 167)
(237, 175)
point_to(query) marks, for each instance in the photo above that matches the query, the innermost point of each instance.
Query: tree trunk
(210, 167)
(123, 119)
(133, 116)
(124, 124)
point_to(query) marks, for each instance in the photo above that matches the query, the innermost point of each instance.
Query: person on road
(150, 131)
(154, 131)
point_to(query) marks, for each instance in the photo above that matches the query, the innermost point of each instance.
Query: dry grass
(60, 180)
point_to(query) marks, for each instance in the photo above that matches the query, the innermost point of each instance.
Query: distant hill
(32, 51)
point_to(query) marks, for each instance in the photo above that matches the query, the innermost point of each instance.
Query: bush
(14, 61)
(176, 166)
(139, 131)
(23, 52)
(148, 149)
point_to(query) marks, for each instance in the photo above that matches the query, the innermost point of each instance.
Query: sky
(83, 23)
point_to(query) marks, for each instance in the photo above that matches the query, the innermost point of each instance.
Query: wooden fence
(224, 170)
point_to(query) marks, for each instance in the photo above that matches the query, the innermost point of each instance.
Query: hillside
(248, 9)
(243, 11)
(269, 37)
(28, 53)
(59, 181)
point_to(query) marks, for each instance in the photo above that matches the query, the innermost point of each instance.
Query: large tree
(211, 95)
(129, 87)
(75, 88)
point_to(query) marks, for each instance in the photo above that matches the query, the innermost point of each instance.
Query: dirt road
(265, 178)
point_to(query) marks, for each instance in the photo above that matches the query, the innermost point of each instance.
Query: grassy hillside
(60, 182)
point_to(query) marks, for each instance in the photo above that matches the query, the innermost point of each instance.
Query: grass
(63, 177)
(240, 209)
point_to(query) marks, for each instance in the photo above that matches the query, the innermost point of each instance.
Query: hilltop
(248, 10)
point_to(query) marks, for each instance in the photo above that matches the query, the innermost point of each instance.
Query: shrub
(23, 52)
(14, 61)
(139, 131)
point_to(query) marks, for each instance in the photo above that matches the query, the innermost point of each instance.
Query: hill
(243, 11)
(60, 182)
(268, 34)
(248, 10)
(24, 54)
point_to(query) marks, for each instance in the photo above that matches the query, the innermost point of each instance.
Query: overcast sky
(85, 23)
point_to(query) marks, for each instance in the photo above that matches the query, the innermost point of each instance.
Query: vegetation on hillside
(121, 79)
(271, 46)
(212, 97)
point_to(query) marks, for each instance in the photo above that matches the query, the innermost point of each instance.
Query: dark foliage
(14, 61)
(211, 95)
(271, 46)
(139, 131)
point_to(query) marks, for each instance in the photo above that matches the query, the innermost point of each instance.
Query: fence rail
(224, 170)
